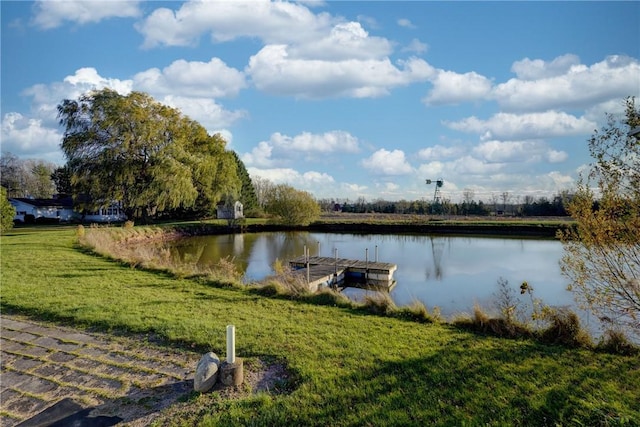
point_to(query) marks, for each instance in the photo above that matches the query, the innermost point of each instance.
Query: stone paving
(42, 365)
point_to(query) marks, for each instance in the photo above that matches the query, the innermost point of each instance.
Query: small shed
(229, 211)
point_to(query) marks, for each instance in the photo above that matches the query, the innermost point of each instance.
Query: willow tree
(146, 155)
(602, 254)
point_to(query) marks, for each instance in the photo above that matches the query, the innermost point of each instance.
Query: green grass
(349, 368)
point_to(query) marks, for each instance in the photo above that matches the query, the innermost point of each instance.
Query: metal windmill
(436, 205)
(436, 194)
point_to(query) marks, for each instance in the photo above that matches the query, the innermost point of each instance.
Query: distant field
(381, 217)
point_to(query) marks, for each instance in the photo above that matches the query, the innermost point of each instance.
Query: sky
(342, 99)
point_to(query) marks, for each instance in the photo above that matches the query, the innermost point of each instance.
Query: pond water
(450, 272)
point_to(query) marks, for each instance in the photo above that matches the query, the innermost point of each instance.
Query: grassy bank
(349, 368)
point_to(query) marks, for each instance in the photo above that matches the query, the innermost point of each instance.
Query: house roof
(64, 202)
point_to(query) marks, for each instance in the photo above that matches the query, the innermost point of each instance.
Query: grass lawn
(350, 368)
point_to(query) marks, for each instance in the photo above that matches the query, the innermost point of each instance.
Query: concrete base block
(232, 373)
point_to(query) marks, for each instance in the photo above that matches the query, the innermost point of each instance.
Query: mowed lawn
(348, 368)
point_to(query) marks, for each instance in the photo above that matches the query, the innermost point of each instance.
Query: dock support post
(366, 265)
(306, 255)
(376, 253)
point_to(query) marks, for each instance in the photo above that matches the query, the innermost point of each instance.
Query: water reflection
(452, 273)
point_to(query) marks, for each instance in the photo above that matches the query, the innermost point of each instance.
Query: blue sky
(342, 99)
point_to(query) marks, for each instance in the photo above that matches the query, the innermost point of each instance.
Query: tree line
(525, 206)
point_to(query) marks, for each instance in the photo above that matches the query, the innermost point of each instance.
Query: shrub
(416, 311)
(565, 329)
(616, 342)
(327, 296)
(482, 322)
(272, 288)
(379, 303)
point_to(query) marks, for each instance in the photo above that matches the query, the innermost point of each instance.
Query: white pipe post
(366, 260)
(231, 344)
(376, 253)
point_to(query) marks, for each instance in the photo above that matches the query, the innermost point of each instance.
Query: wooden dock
(341, 272)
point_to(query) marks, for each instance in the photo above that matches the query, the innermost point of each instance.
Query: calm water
(452, 273)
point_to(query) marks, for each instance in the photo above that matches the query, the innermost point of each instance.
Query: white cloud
(439, 152)
(275, 175)
(416, 46)
(198, 79)
(305, 181)
(598, 112)
(45, 98)
(27, 137)
(273, 71)
(205, 111)
(541, 87)
(452, 88)
(554, 156)
(404, 22)
(260, 156)
(345, 41)
(328, 142)
(272, 22)
(525, 126)
(52, 13)
(353, 189)
(468, 165)
(537, 69)
(384, 162)
(432, 170)
(320, 178)
(306, 55)
(517, 151)
(86, 79)
(280, 148)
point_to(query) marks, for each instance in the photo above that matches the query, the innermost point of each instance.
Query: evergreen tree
(247, 192)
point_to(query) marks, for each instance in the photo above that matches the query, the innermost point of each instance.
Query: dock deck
(327, 271)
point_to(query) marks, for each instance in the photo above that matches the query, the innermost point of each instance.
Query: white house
(112, 213)
(234, 211)
(61, 209)
(31, 209)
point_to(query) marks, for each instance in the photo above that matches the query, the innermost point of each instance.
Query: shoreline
(498, 229)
